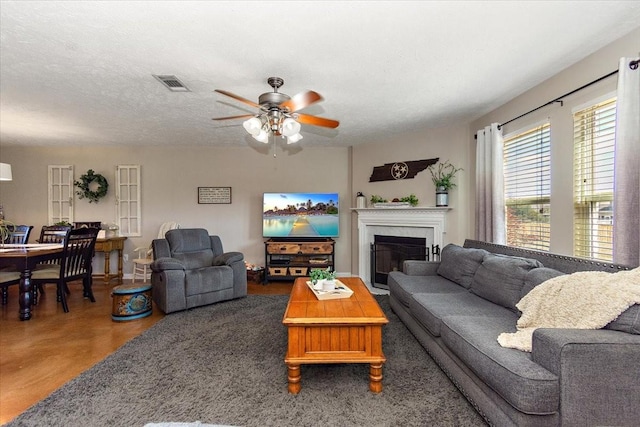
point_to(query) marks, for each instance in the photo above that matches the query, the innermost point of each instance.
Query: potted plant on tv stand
(442, 175)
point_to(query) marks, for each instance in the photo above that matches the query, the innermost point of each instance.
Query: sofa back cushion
(500, 279)
(459, 264)
(628, 321)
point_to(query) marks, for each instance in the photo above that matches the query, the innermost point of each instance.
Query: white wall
(591, 68)
(170, 177)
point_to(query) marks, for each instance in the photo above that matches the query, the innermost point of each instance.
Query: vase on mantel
(442, 197)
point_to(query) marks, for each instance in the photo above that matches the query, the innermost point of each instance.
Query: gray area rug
(224, 364)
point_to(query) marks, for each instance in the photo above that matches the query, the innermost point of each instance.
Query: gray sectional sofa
(457, 307)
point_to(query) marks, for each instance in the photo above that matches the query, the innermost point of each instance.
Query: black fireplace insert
(388, 253)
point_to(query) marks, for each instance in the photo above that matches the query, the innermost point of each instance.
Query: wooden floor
(40, 355)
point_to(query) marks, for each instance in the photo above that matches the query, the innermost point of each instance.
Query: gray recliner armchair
(190, 269)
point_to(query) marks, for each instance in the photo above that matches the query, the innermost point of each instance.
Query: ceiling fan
(279, 113)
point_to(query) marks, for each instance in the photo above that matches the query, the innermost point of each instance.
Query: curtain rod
(559, 99)
(633, 65)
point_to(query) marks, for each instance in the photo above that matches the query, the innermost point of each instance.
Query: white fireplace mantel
(429, 222)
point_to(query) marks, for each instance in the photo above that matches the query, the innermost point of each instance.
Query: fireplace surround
(429, 223)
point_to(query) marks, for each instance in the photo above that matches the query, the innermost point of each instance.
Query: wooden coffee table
(334, 331)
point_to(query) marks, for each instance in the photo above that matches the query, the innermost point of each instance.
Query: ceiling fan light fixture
(294, 138)
(262, 136)
(253, 126)
(290, 127)
(278, 113)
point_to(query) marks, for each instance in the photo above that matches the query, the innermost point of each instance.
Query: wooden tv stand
(289, 258)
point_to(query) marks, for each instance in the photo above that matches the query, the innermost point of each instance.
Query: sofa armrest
(163, 264)
(420, 268)
(228, 258)
(598, 373)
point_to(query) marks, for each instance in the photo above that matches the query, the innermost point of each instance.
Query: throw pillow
(537, 276)
(628, 321)
(500, 279)
(459, 264)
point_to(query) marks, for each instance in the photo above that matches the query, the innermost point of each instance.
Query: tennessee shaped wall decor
(400, 170)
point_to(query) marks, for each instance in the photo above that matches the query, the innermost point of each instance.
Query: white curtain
(626, 196)
(490, 213)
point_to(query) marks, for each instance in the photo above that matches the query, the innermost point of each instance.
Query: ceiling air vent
(172, 83)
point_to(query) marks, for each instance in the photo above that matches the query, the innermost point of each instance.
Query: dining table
(24, 258)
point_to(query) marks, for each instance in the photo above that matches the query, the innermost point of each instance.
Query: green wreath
(84, 186)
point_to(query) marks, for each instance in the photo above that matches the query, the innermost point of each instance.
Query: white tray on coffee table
(341, 291)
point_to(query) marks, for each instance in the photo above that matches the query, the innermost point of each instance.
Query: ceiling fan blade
(301, 100)
(316, 121)
(238, 98)
(242, 116)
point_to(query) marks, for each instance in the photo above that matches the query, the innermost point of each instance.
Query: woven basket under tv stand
(287, 258)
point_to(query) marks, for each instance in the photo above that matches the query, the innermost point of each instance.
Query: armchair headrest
(188, 240)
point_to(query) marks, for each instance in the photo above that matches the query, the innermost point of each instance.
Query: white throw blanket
(583, 300)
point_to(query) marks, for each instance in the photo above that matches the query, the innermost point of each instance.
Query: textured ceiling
(80, 73)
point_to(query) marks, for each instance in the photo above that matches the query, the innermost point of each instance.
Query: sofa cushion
(628, 321)
(429, 309)
(195, 259)
(402, 286)
(460, 264)
(500, 279)
(537, 276)
(511, 373)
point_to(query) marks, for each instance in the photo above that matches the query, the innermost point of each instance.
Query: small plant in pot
(322, 278)
(442, 176)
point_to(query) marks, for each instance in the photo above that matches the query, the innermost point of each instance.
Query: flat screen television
(300, 215)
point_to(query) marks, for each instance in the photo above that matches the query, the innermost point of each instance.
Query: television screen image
(300, 215)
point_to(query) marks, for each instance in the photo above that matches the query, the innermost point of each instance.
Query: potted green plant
(319, 276)
(442, 175)
(377, 199)
(411, 199)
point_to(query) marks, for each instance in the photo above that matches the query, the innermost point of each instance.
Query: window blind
(527, 182)
(594, 145)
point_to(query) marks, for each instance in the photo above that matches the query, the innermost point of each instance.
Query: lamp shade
(262, 136)
(253, 126)
(290, 127)
(5, 172)
(294, 138)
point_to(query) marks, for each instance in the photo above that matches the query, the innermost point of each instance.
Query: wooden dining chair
(75, 264)
(19, 234)
(53, 233)
(8, 278)
(49, 234)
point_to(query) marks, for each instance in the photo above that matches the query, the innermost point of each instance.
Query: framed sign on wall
(214, 195)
